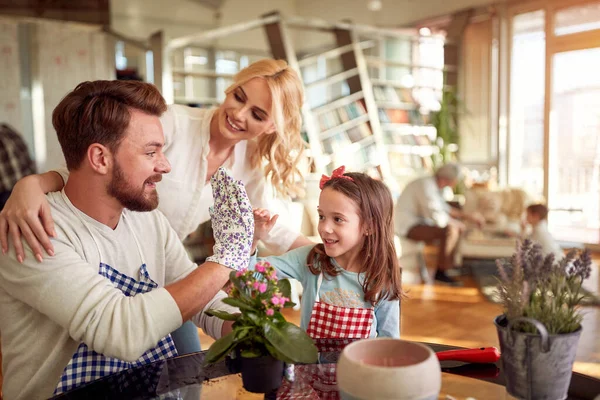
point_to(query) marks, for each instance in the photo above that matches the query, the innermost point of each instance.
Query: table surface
(187, 377)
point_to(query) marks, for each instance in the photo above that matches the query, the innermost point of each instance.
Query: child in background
(351, 282)
(536, 216)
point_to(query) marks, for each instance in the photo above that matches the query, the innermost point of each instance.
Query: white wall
(68, 55)
(10, 77)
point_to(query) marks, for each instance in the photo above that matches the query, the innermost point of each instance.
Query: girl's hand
(26, 215)
(263, 223)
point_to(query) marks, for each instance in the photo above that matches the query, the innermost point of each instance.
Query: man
(422, 214)
(119, 280)
(15, 162)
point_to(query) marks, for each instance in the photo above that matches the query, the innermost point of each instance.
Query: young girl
(351, 281)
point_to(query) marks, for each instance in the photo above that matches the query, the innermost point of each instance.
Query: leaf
(241, 332)
(277, 354)
(239, 303)
(220, 348)
(250, 353)
(285, 287)
(222, 315)
(254, 318)
(291, 341)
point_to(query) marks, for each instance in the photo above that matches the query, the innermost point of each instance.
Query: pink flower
(240, 272)
(260, 268)
(270, 312)
(256, 285)
(262, 287)
(275, 300)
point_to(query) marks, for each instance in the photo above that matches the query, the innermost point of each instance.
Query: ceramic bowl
(386, 369)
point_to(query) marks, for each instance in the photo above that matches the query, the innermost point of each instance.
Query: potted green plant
(541, 324)
(261, 337)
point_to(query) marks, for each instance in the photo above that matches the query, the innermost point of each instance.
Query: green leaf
(241, 332)
(277, 354)
(285, 287)
(223, 315)
(220, 348)
(241, 304)
(250, 353)
(291, 341)
(254, 318)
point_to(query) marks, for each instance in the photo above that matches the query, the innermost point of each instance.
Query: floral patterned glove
(232, 221)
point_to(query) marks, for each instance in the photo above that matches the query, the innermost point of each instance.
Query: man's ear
(100, 158)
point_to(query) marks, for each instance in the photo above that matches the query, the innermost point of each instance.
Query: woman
(255, 133)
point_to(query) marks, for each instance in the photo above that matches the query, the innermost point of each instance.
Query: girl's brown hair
(99, 112)
(381, 268)
(279, 154)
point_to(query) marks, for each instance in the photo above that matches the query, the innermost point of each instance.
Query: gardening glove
(232, 221)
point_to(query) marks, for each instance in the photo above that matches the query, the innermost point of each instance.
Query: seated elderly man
(119, 280)
(422, 214)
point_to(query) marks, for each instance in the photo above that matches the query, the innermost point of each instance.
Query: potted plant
(261, 337)
(541, 324)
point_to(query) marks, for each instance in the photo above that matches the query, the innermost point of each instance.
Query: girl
(258, 124)
(351, 281)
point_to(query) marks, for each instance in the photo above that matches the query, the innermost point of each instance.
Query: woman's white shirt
(185, 194)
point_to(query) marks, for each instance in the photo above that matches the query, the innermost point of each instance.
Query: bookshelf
(200, 75)
(341, 124)
(407, 88)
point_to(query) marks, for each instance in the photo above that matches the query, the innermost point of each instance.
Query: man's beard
(130, 197)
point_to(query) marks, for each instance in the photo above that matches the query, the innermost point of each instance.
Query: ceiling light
(374, 5)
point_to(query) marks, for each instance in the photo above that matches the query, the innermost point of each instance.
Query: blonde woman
(257, 125)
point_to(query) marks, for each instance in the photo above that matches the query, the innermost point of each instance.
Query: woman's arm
(27, 215)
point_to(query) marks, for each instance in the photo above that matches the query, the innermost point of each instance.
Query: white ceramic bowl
(386, 369)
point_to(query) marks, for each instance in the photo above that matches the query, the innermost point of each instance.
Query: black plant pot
(261, 374)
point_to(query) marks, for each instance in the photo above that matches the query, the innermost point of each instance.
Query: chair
(412, 260)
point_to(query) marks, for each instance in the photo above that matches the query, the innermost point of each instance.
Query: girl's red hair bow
(337, 173)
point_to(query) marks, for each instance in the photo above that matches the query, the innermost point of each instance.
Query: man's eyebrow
(154, 144)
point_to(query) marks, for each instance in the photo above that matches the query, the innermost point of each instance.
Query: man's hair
(450, 171)
(99, 112)
(538, 209)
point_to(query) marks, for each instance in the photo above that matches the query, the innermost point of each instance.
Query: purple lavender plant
(531, 285)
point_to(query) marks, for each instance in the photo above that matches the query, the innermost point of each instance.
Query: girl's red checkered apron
(86, 365)
(332, 322)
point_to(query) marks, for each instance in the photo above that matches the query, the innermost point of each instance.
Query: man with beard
(119, 280)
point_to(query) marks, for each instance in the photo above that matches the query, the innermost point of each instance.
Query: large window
(554, 129)
(526, 151)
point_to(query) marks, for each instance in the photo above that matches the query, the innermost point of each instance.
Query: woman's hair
(283, 150)
(381, 267)
(99, 112)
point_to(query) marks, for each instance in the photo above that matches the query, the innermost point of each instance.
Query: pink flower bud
(270, 312)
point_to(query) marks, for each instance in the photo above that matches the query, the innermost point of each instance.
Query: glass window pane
(574, 173)
(577, 19)
(527, 81)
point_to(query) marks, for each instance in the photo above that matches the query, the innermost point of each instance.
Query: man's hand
(478, 219)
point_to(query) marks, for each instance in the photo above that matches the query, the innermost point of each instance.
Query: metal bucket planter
(536, 366)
